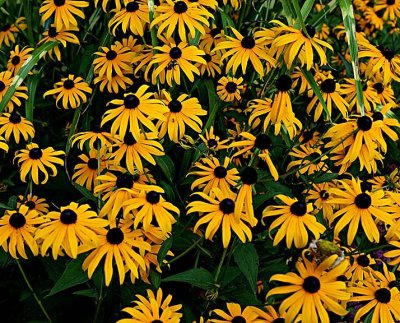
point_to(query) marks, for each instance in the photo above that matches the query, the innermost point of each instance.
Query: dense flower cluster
(248, 149)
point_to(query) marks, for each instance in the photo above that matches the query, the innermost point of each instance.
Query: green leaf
(323, 14)
(73, 275)
(327, 177)
(32, 84)
(155, 278)
(165, 247)
(198, 277)
(212, 104)
(306, 8)
(350, 27)
(23, 72)
(246, 257)
(85, 192)
(5, 206)
(12, 202)
(86, 292)
(167, 166)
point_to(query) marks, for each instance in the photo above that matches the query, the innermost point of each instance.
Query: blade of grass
(350, 26)
(24, 71)
(323, 13)
(212, 104)
(306, 8)
(32, 84)
(288, 10)
(310, 79)
(299, 18)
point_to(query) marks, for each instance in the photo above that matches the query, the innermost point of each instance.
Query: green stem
(186, 251)
(220, 265)
(99, 302)
(38, 301)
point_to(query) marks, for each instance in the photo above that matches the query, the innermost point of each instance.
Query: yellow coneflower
(385, 92)
(13, 124)
(7, 31)
(6, 79)
(34, 202)
(73, 230)
(370, 96)
(97, 136)
(135, 108)
(176, 15)
(391, 8)
(132, 151)
(228, 88)
(212, 141)
(174, 58)
(241, 49)
(118, 58)
(64, 12)
(116, 84)
(304, 160)
(34, 160)
(212, 68)
(183, 112)
(134, 16)
(320, 195)
(71, 90)
(62, 36)
(211, 38)
(361, 268)
(18, 58)
(235, 314)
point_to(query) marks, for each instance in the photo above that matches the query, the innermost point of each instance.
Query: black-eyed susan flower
(294, 218)
(385, 93)
(229, 88)
(360, 268)
(314, 290)
(358, 207)
(383, 301)
(17, 126)
(183, 112)
(73, 230)
(121, 247)
(300, 45)
(219, 212)
(135, 15)
(116, 84)
(308, 160)
(260, 142)
(118, 59)
(97, 136)
(135, 108)
(64, 12)
(18, 57)
(179, 15)
(132, 152)
(91, 166)
(17, 230)
(62, 36)
(319, 195)
(113, 4)
(212, 37)
(119, 187)
(269, 315)
(153, 308)
(240, 49)
(33, 202)
(391, 9)
(370, 97)
(8, 31)
(213, 174)
(212, 67)
(71, 90)
(236, 314)
(151, 205)
(331, 92)
(6, 79)
(36, 161)
(213, 141)
(174, 58)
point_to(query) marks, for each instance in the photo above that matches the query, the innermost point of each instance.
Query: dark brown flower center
(363, 261)
(366, 186)
(157, 321)
(129, 140)
(279, 320)
(131, 101)
(363, 201)
(35, 153)
(15, 118)
(390, 2)
(5, 27)
(214, 32)
(175, 106)
(124, 180)
(59, 3)
(386, 52)
(211, 143)
(153, 197)
(394, 283)
(68, 216)
(68, 84)
(176, 52)
(220, 172)
(248, 42)
(231, 87)
(132, 6)
(324, 195)
(249, 176)
(311, 284)
(383, 295)
(115, 236)
(283, 83)
(111, 54)
(298, 208)
(15, 60)
(52, 32)
(180, 7)
(92, 163)
(227, 206)
(2, 86)
(239, 319)
(17, 220)
(364, 123)
(310, 31)
(30, 204)
(377, 116)
(207, 58)
(262, 142)
(328, 86)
